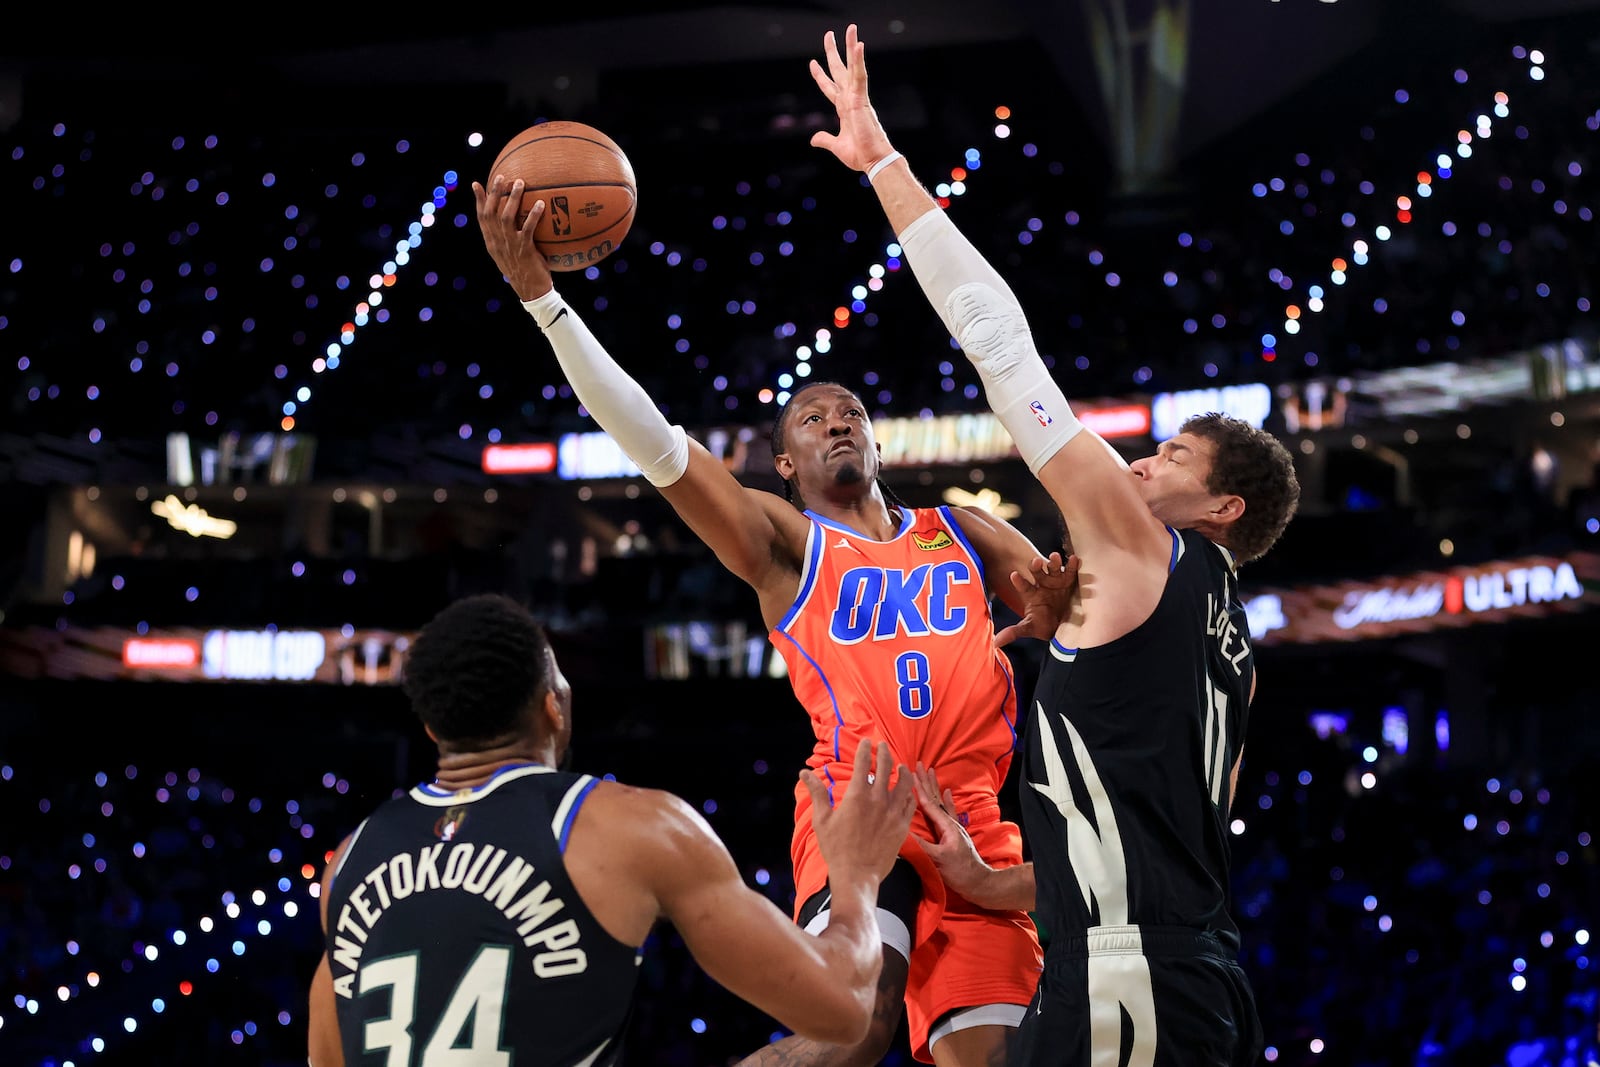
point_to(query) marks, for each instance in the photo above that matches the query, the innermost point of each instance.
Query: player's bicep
(732, 520)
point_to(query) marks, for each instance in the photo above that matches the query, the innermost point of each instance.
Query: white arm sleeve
(983, 316)
(616, 401)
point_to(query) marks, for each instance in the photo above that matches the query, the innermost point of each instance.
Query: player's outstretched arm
(1088, 481)
(735, 522)
(824, 986)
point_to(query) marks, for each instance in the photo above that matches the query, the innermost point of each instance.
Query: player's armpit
(1125, 551)
(1099, 499)
(328, 870)
(819, 987)
(323, 1048)
(736, 523)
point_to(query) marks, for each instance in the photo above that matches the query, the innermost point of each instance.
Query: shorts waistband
(1135, 941)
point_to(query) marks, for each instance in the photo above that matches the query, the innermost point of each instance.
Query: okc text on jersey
(889, 602)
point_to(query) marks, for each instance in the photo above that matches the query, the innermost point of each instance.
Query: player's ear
(550, 712)
(431, 735)
(784, 465)
(1228, 509)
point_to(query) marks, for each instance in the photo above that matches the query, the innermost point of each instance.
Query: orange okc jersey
(893, 640)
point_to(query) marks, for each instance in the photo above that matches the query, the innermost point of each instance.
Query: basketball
(587, 185)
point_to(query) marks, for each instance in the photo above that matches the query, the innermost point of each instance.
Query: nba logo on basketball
(560, 216)
(1037, 407)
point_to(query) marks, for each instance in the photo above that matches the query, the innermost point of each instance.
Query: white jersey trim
(423, 794)
(808, 577)
(558, 821)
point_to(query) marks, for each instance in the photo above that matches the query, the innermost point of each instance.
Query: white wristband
(877, 168)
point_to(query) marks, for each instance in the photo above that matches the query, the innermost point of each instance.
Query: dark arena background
(268, 406)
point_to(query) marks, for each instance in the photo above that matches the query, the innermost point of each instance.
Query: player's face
(1173, 481)
(829, 439)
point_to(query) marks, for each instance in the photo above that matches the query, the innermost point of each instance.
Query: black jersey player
(497, 912)
(1140, 710)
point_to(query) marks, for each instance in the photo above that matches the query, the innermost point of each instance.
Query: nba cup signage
(263, 655)
(1461, 596)
(344, 656)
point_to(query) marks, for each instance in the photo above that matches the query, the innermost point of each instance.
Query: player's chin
(849, 473)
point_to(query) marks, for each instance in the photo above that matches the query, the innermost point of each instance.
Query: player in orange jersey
(882, 614)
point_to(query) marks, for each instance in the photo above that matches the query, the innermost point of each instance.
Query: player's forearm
(941, 257)
(617, 402)
(852, 946)
(1004, 889)
(983, 316)
(904, 198)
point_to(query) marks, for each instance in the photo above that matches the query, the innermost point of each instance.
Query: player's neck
(869, 515)
(470, 769)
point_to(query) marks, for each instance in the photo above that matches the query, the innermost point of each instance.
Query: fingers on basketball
(586, 182)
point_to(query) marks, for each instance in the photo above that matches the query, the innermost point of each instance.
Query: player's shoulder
(646, 822)
(1195, 547)
(635, 807)
(785, 517)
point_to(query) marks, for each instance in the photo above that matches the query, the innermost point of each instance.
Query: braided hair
(781, 423)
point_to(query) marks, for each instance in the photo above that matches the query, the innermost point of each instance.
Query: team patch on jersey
(939, 539)
(448, 825)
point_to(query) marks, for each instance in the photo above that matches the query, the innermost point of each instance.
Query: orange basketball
(586, 183)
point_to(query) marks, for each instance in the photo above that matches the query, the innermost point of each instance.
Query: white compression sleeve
(616, 401)
(983, 315)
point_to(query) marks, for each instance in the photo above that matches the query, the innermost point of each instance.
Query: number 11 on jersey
(1215, 740)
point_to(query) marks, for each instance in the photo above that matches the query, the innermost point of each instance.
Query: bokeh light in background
(1415, 873)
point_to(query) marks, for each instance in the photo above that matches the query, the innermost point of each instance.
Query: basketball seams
(526, 189)
(508, 152)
